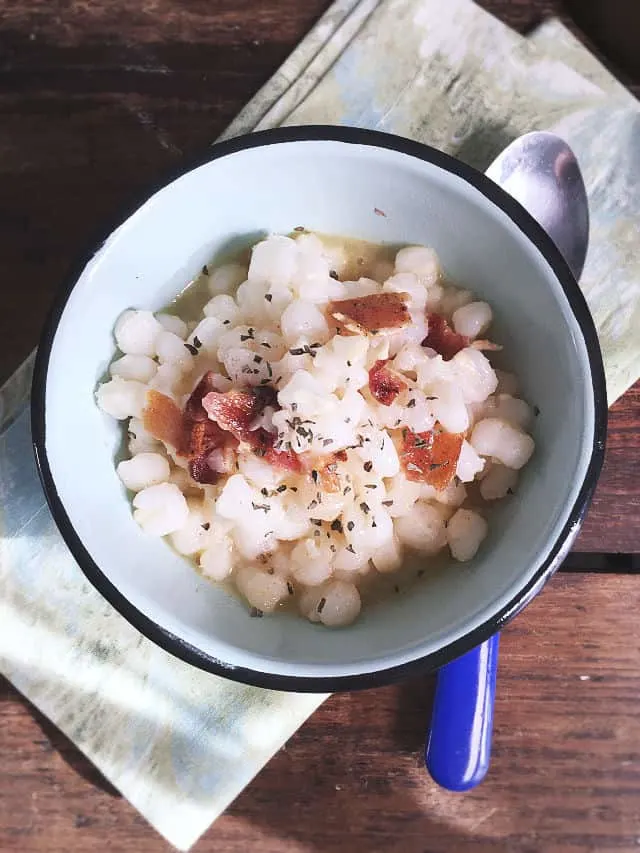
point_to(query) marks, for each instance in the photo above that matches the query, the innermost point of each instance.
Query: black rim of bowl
(329, 684)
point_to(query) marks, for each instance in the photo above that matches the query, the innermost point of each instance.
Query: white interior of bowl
(332, 187)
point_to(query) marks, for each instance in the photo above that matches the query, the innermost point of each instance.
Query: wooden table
(98, 97)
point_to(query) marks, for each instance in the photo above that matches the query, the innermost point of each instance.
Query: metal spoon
(541, 172)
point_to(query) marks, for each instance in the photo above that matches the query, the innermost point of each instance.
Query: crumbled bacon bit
(371, 314)
(193, 408)
(442, 338)
(203, 436)
(208, 448)
(211, 451)
(223, 459)
(210, 443)
(261, 443)
(259, 440)
(234, 411)
(431, 457)
(286, 460)
(202, 472)
(163, 419)
(384, 383)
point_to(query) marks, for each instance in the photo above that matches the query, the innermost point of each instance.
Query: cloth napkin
(181, 744)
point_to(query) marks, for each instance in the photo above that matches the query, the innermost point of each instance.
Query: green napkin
(181, 744)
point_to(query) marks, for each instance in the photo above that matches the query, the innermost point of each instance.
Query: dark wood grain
(613, 522)
(565, 775)
(615, 27)
(97, 100)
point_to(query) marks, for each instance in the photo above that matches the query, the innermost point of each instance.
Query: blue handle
(459, 745)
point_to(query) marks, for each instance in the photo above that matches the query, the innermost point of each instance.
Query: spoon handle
(459, 746)
(458, 750)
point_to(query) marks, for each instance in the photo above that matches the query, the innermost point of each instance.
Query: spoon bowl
(541, 171)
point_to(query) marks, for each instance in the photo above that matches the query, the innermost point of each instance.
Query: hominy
(308, 430)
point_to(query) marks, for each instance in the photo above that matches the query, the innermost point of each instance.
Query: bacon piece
(202, 441)
(193, 408)
(223, 459)
(234, 411)
(261, 443)
(431, 457)
(259, 440)
(208, 465)
(442, 338)
(204, 468)
(163, 419)
(211, 452)
(385, 384)
(378, 312)
(204, 436)
(286, 460)
(201, 471)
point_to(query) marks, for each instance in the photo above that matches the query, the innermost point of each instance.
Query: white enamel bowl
(331, 180)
